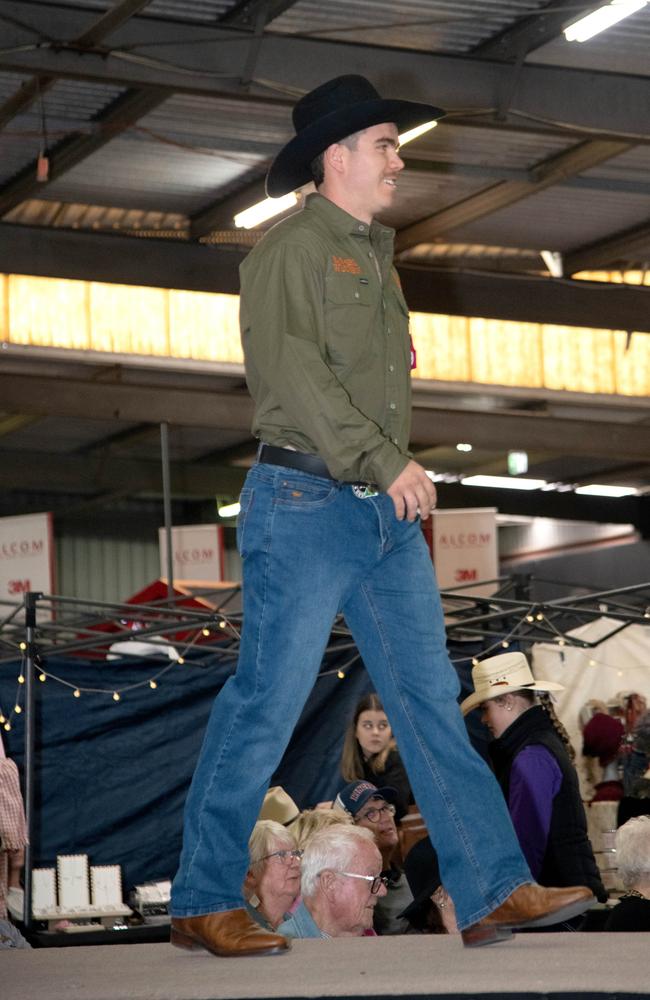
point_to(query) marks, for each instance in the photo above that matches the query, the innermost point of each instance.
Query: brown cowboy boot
(529, 906)
(231, 933)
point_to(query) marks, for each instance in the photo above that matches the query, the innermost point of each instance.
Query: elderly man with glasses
(341, 885)
(374, 809)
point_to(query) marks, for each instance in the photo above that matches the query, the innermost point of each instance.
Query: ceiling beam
(202, 406)
(174, 264)
(505, 193)
(220, 214)
(601, 101)
(628, 248)
(84, 474)
(139, 403)
(245, 13)
(100, 29)
(530, 33)
(117, 117)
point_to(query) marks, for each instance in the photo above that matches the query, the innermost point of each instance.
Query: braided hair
(546, 702)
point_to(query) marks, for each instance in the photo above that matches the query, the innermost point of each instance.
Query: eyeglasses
(374, 815)
(375, 880)
(285, 857)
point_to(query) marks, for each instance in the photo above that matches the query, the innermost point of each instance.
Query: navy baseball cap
(355, 795)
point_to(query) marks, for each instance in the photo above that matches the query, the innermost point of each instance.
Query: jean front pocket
(245, 505)
(304, 493)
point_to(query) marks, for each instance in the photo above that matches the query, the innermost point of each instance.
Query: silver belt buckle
(363, 491)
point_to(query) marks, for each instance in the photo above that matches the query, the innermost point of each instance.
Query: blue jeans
(311, 549)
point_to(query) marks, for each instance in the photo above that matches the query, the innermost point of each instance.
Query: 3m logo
(465, 575)
(346, 265)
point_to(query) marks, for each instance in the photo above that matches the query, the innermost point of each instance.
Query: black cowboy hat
(328, 114)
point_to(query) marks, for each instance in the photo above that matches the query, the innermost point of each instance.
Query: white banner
(465, 548)
(197, 552)
(26, 555)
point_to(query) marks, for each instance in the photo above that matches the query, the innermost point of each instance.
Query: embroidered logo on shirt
(346, 265)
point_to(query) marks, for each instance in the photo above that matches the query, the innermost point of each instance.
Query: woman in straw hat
(533, 762)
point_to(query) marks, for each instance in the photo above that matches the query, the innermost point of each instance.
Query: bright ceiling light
(264, 210)
(592, 24)
(597, 490)
(229, 509)
(413, 133)
(504, 482)
(463, 446)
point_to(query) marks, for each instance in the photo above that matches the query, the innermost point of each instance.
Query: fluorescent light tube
(229, 509)
(414, 133)
(504, 482)
(264, 210)
(592, 24)
(597, 490)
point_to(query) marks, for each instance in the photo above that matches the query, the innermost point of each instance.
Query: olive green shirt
(326, 344)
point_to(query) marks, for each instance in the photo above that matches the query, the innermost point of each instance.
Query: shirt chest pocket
(349, 311)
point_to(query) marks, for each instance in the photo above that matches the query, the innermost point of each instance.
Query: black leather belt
(272, 455)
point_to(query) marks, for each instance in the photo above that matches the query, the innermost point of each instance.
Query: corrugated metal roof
(133, 173)
(429, 25)
(422, 194)
(624, 48)
(631, 166)
(558, 219)
(205, 11)
(221, 122)
(485, 146)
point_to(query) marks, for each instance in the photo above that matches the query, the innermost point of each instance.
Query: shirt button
(370, 253)
(395, 441)
(391, 368)
(393, 406)
(388, 330)
(362, 229)
(356, 295)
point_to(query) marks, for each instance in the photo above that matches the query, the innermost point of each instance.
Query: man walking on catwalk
(329, 523)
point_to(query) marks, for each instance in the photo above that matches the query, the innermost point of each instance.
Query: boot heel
(479, 935)
(181, 940)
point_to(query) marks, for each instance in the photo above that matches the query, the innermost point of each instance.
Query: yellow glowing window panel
(205, 326)
(616, 277)
(505, 353)
(632, 363)
(581, 360)
(4, 308)
(48, 312)
(442, 346)
(128, 319)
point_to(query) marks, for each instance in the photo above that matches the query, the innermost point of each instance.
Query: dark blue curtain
(111, 777)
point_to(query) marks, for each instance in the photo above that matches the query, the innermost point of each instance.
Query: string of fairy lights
(532, 616)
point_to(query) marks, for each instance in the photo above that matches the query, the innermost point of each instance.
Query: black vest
(569, 858)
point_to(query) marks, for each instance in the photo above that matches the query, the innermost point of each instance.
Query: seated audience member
(632, 913)
(341, 885)
(374, 809)
(370, 752)
(272, 883)
(13, 837)
(532, 759)
(602, 738)
(310, 821)
(432, 910)
(279, 806)
(636, 801)
(10, 937)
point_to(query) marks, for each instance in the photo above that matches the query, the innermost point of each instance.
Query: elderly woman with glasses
(272, 883)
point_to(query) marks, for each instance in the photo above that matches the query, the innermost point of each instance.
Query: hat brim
(291, 167)
(474, 700)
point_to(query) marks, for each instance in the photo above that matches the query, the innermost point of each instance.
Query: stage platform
(528, 966)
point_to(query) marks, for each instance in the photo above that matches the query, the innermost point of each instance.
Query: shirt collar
(344, 223)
